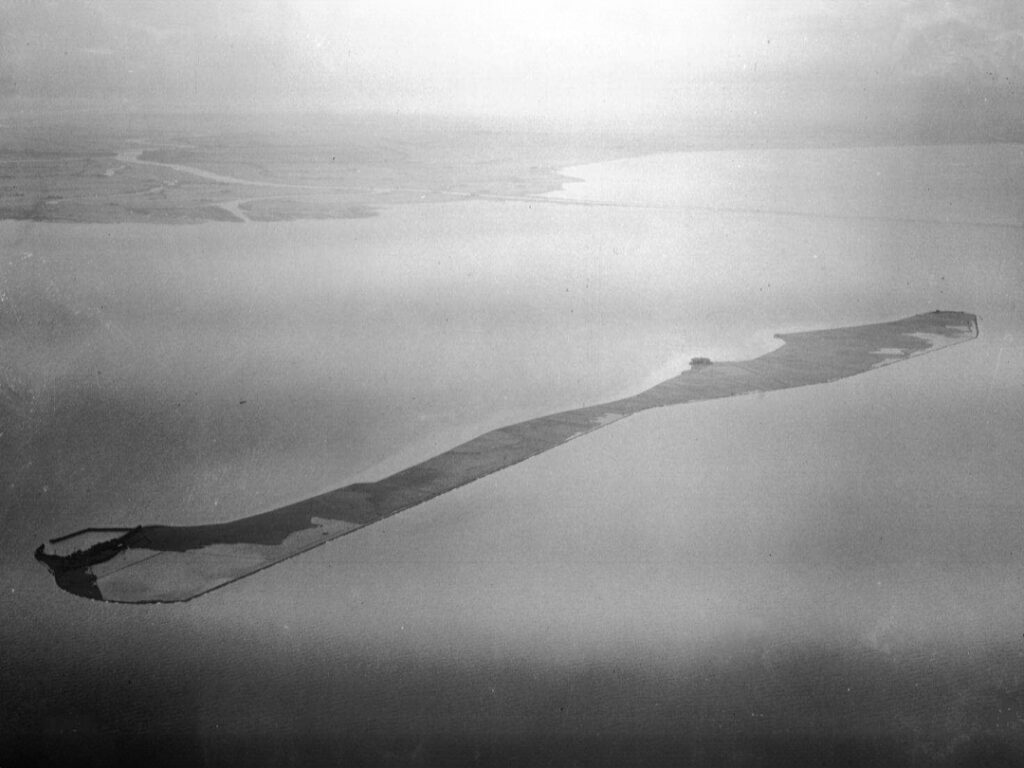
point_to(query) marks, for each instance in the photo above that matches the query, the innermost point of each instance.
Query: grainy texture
(158, 563)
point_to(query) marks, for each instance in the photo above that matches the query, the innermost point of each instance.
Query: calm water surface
(842, 559)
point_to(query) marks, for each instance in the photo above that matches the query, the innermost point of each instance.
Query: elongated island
(163, 563)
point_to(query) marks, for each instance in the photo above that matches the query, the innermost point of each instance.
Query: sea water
(834, 559)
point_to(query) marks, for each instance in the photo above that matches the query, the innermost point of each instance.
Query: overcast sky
(529, 57)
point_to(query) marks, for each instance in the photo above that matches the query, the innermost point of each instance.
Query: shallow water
(841, 559)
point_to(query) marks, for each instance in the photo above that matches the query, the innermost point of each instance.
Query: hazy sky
(531, 57)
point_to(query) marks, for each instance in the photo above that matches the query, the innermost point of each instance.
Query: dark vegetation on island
(71, 570)
(81, 558)
(806, 358)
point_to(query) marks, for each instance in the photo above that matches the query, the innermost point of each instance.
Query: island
(165, 563)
